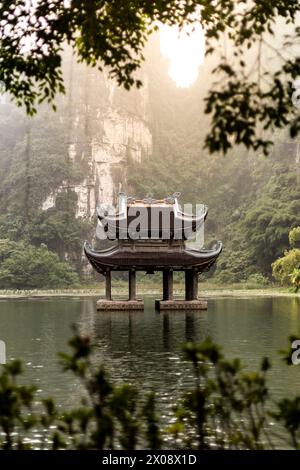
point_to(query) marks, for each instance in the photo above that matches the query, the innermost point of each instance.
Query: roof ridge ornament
(171, 199)
(149, 199)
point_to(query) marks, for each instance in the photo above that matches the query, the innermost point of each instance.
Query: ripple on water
(145, 348)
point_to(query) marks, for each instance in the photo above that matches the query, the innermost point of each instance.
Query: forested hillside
(48, 178)
(34, 162)
(253, 200)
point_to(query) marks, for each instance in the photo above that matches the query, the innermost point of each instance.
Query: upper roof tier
(149, 218)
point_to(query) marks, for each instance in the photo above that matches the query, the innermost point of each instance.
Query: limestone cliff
(105, 126)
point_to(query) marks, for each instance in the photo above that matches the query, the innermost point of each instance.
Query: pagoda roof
(156, 256)
(181, 224)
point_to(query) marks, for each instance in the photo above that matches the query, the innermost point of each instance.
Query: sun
(185, 49)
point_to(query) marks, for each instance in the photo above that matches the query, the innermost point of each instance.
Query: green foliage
(224, 398)
(60, 229)
(25, 266)
(267, 223)
(257, 281)
(286, 270)
(227, 408)
(15, 405)
(294, 237)
(295, 279)
(112, 34)
(253, 201)
(34, 165)
(284, 267)
(289, 414)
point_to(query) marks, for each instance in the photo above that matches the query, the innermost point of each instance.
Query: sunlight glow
(185, 49)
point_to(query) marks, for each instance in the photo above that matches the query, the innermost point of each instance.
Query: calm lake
(143, 348)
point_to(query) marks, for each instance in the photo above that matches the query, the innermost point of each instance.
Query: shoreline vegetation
(120, 289)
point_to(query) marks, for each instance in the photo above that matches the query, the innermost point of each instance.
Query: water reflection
(143, 348)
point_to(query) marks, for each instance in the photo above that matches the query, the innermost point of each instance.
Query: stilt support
(195, 285)
(132, 285)
(188, 282)
(117, 305)
(191, 301)
(108, 285)
(167, 284)
(191, 285)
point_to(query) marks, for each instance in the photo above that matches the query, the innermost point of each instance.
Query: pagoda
(152, 235)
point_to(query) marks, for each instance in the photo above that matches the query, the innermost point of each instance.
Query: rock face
(106, 126)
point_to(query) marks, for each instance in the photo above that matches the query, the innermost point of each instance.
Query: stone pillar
(167, 284)
(164, 284)
(170, 285)
(132, 284)
(191, 285)
(108, 285)
(188, 285)
(195, 285)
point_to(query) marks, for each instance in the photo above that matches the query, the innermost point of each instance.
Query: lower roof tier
(145, 258)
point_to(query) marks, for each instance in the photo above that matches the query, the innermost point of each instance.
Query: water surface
(143, 348)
